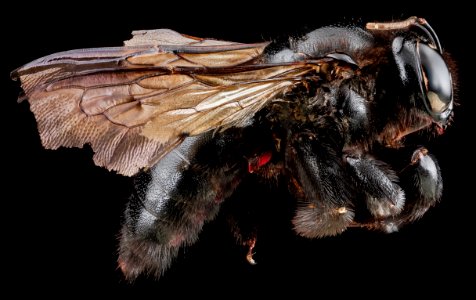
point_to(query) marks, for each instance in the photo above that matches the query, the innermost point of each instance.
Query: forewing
(133, 104)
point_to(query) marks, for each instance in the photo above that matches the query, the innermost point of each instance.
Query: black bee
(330, 115)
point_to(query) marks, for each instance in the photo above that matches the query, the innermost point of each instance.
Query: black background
(61, 214)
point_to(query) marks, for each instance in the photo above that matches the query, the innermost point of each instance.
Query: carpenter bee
(331, 115)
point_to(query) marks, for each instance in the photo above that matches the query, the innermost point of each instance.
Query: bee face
(425, 71)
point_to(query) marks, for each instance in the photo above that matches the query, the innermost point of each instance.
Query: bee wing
(133, 104)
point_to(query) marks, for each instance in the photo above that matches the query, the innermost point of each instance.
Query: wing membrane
(135, 103)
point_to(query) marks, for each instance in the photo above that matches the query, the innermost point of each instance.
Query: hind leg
(243, 223)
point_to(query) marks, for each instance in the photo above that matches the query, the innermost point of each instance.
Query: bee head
(423, 70)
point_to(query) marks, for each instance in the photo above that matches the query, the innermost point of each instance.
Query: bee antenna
(421, 23)
(425, 27)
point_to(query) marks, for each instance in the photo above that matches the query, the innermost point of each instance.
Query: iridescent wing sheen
(135, 103)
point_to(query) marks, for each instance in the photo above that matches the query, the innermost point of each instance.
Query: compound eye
(437, 82)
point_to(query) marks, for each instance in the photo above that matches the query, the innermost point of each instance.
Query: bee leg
(243, 214)
(245, 232)
(384, 197)
(423, 185)
(321, 187)
(173, 200)
(249, 255)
